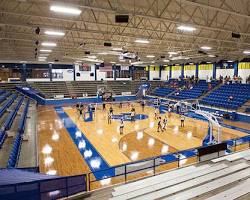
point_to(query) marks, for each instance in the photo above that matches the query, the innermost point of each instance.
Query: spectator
(230, 98)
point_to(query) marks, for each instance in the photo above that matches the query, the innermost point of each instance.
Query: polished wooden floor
(59, 155)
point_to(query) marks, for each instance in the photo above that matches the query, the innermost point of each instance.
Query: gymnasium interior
(124, 99)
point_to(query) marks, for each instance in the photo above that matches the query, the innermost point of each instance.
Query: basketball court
(69, 146)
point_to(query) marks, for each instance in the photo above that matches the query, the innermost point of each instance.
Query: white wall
(85, 75)
(102, 76)
(154, 74)
(176, 73)
(189, 72)
(164, 75)
(224, 72)
(68, 74)
(244, 73)
(203, 74)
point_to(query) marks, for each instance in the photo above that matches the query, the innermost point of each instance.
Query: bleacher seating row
(230, 96)
(8, 122)
(78, 88)
(195, 91)
(14, 155)
(4, 96)
(7, 104)
(163, 91)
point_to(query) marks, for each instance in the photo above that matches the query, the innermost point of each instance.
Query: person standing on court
(81, 111)
(121, 126)
(156, 113)
(143, 105)
(109, 118)
(159, 125)
(182, 120)
(164, 123)
(111, 111)
(132, 116)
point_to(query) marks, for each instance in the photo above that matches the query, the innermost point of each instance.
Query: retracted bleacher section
(220, 97)
(14, 155)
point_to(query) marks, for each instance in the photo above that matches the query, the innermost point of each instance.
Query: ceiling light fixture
(165, 60)
(206, 47)
(49, 44)
(66, 10)
(142, 41)
(186, 28)
(54, 33)
(211, 56)
(172, 53)
(92, 57)
(230, 61)
(246, 52)
(117, 49)
(150, 56)
(45, 50)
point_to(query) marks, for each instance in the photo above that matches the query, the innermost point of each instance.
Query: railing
(152, 166)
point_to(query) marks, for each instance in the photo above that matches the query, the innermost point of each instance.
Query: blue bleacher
(8, 122)
(4, 95)
(220, 97)
(15, 151)
(7, 104)
(163, 91)
(196, 91)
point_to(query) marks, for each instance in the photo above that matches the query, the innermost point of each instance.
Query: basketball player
(103, 106)
(159, 125)
(109, 118)
(142, 105)
(169, 111)
(111, 111)
(77, 107)
(132, 116)
(156, 113)
(121, 126)
(132, 109)
(165, 121)
(182, 120)
(81, 111)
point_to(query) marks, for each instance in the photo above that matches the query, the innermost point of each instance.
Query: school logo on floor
(127, 116)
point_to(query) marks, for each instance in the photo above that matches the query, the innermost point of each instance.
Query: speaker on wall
(121, 18)
(91, 74)
(107, 44)
(78, 74)
(235, 35)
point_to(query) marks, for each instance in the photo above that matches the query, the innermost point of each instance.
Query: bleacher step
(192, 183)
(220, 182)
(162, 184)
(233, 193)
